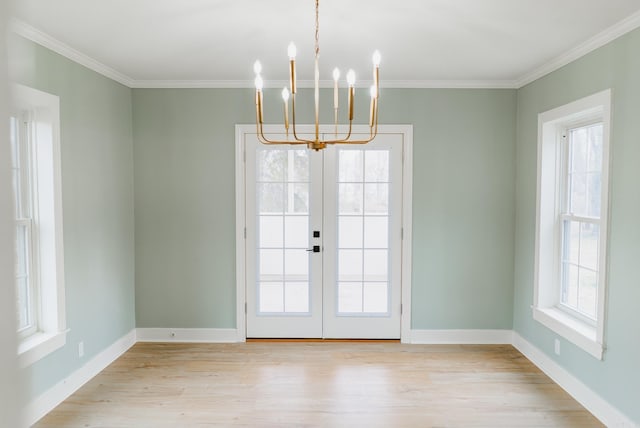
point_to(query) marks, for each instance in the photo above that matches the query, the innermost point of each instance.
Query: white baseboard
(600, 408)
(461, 337)
(188, 335)
(55, 395)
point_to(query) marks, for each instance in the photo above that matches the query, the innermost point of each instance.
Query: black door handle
(315, 249)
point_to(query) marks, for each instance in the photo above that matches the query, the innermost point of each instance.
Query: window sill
(575, 331)
(39, 345)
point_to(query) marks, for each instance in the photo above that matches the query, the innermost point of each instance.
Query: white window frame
(42, 111)
(24, 216)
(551, 181)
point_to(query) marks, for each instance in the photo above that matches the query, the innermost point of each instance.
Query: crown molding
(619, 29)
(626, 25)
(28, 32)
(277, 84)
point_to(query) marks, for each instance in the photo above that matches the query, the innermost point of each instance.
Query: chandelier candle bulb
(259, 84)
(376, 71)
(317, 143)
(336, 77)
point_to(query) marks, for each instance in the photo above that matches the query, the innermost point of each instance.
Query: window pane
(593, 199)
(349, 232)
(296, 297)
(22, 295)
(570, 285)
(21, 251)
(349, 297)
(588, 292)
(578, 139)
(595, 147)
(376, 165)
(578, 194)
(272, 165)
(571, 241)
(589, 243)
(350, 166)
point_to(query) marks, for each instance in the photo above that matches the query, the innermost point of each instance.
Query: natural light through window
(571, 224)
(39, 256)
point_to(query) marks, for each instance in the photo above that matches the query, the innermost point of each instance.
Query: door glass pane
(350, 297)
(375, 297)
(271, 165)
(271, 264)
(376, 232)
(376, 166)
(271, 297)
(350, 198)
(296, 231)
(363, 232)
(375, 265)
(376, 198)
(350, 265)
(350, 166)
(349, 232)
(283, 236)
(270, 198)
(271, 231)
(296, 297)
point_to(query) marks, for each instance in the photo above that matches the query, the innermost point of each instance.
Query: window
(39, 261)
(571, 224)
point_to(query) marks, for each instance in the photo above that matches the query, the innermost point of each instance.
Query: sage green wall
(616, 66)
(97, 193)
(10, 385)
(463, 202)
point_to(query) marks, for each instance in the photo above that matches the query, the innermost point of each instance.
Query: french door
(323, 246)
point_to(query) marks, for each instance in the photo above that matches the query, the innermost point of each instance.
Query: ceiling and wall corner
(425, 44)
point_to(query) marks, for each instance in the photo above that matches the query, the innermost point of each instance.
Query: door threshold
(319, 340)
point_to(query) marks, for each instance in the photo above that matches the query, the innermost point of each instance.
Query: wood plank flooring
(309, 384)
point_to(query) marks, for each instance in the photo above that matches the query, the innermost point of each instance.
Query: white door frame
(407, 205)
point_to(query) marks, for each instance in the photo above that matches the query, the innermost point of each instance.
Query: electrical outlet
(81, 349)
(557, 347)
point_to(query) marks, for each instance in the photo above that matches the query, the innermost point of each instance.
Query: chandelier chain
(317, 45)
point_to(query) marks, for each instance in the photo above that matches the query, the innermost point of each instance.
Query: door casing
(406, 131)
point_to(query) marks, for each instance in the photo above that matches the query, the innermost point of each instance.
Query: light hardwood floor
(327, 384)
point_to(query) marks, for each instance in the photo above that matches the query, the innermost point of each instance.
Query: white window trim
(46, 162)
(546, 308)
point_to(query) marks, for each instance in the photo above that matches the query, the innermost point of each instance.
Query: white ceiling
(457, 43)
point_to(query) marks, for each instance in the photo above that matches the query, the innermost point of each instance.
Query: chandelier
(317, 143)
